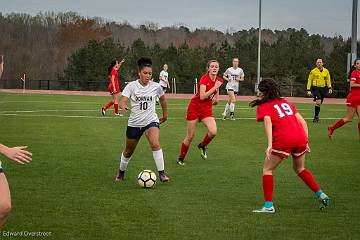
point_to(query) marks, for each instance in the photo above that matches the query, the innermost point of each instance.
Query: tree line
(67, 47)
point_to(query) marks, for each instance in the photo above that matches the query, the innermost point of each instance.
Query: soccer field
(69, 188)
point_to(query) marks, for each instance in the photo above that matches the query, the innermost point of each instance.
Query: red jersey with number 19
(287, 131)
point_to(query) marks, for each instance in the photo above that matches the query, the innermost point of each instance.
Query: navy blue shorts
(137, 132)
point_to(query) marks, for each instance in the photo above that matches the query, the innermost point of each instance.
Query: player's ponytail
(112, 64)
(269, 91)
(144, 62)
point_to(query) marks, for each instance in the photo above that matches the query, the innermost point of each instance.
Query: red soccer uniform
(116, 81)
(353, 99)
(288, 135)
(200, 109)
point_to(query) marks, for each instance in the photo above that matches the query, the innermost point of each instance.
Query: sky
(325, 17)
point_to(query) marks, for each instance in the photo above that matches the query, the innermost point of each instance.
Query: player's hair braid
(112, 64)
(269, 90)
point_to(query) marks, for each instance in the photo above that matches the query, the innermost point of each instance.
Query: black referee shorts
(319, 93)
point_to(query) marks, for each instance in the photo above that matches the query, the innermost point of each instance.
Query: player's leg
(270, 164)
(348, 118)
(232, 104)
(5, 199)
(317, 110)
(358, 113)
(116, 103)
(109, 104)
(152, 135)
(309, 180)
(210, 123)
(191, 129)
(132, 139)
(227, 107)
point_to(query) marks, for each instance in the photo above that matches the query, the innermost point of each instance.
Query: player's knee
(298, 169)
(155, 146)
(189, 138)
(5, 209)
(348, 119)
(127, 153)
(212, 133)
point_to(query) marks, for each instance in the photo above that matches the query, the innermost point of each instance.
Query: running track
(168, 95)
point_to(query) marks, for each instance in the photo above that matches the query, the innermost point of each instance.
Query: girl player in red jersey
(353, 101)
(287, 134)
(200, 109)
(114, 88)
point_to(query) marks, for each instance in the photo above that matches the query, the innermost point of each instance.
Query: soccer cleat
(103, 111)
(118, 114)
(264, 210)
(324, 201)
(330, 132)
(163, 177)
(223, 116)
(120, 176)
(316, 119)
(202, 151)
(180, 162)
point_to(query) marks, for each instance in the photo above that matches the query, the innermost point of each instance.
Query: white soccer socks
(159, 159)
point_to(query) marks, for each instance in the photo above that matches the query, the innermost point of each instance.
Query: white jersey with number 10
(143, 102)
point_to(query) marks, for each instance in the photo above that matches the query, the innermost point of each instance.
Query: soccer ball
(147, 179)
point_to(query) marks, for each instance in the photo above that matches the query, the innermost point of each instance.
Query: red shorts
(198, 112)
(111, 88)
(353, 100)
(294, 151)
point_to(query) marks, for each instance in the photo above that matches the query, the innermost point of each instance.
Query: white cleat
(118, 114)
(264, 210)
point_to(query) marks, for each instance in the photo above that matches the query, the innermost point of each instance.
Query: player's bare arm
(354, 84)
(164, 109)
(17, 154)
(124, 104)
(204, 94)
(225, 77)
(268, 132)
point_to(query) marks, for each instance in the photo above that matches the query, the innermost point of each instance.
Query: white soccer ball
(147, 179)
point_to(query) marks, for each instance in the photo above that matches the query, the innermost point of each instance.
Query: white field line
(97, 110)
(114, 117)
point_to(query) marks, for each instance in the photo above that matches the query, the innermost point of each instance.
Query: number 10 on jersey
(143, 105)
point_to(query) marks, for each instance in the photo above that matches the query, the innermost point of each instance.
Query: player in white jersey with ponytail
(233, 75)
(142, 94)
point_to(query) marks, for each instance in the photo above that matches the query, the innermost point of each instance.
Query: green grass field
(69, 188)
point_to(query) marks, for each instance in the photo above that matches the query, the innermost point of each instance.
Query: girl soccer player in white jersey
(164, 78)
(233, 75)
(19, 155)
(142, 94)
